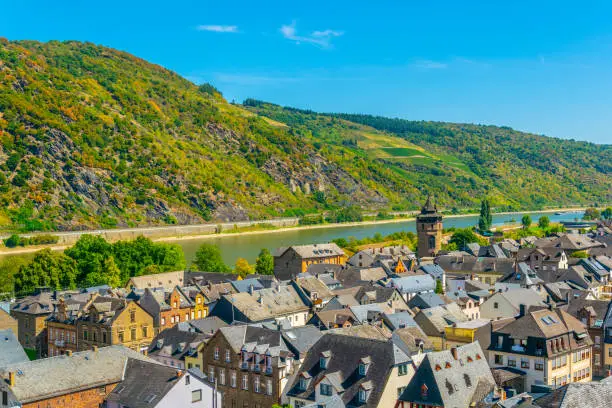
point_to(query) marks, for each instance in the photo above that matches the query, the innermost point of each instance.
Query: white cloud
(321, 38)
(429, 64)
(218, 28)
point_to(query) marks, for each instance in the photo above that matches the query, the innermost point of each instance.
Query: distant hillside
(93, 137)
(462, 162)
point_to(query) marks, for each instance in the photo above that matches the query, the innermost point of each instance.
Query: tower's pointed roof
(430, 206)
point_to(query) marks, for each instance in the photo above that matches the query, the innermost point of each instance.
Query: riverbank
(187, 233)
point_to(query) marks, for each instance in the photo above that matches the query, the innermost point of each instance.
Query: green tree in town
(526, 221)
(463, 236)
(544, 222)
(264, 265)
(607, 213)
(485, 220)
(439, 289)
(243, 268)
(47, 269)
(208, 259)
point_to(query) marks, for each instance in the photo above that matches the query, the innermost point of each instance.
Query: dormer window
(363, 395)
(324, 359)
(364, 364)
(424, 391)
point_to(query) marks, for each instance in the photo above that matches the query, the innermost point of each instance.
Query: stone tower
(429, 230)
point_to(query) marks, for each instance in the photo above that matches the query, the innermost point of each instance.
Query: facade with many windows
(550, 346)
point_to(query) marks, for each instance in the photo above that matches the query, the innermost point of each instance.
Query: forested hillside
(92, 137)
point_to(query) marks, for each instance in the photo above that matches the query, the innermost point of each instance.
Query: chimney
(521, 310)
(453, 351)
(69, 353)
(251, 287)
(11, 378)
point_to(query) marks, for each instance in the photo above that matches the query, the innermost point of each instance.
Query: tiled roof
(55, 376)
(11, 351)
(166, 280)
(267, 304)
(442, 380)
(592, 395)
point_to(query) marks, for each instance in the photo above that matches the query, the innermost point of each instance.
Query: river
(248, 246)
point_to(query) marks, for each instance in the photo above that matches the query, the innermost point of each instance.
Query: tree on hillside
(264, 265)
(47, 269)
(208, 259)
(485, 220)
(544, 222)
(526, 221)
(243, 268)
(591, 213)
(607, 213)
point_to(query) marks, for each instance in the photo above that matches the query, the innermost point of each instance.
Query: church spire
(430, 206)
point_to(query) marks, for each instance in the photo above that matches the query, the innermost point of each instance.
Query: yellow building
(110, 321)
(464, 332)
(552, 347)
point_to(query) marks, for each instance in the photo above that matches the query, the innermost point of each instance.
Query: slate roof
(11, 351)
(411, 339)
(176, 342)
(600, 307)
(451, 382)
(522, 275)
(301, 339)
(517, 296)
(251, 336)
(342, 368)
(213, 291)
(354, 276)
(166, 280)
(60, 375)
(208, 325)
(571, 242)
(246, 285)
(399, 320)
(572, 395)
(312, 284)
(205, 278)
(426, 300)
(434, 270)
(330, 402)
(468, 264)
(366, 331)
(267, 304)
(40, 304)
(314, 250)
(545, 323)
(413, 284)
(439, 317)
(365, 313)
(143, 391)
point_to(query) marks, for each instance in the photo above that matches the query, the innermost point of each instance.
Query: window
(104, 340)
(245, 382)
(172, 319)
(133, 333)
(269, 387)
(402, 369)
(511, 362)
(363, 395)
(84, 334)
(222, 377)
(524, 363)
(187, 380)
(120, 335)
(227, 356)
(163, 321)
(325, 389)
(539, 365)
(400, 391)
(495, 305)
(4, 398)
(145, 332)
(211, 373)
(256, 384)
(233, 379)
(499, 359)
(323, 362)
(362, 369)
(132, 316)
(302, 383)
(216, 353)
(196, 396)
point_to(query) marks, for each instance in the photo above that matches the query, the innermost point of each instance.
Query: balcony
(244, 365)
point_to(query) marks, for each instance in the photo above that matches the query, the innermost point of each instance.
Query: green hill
(93, 137)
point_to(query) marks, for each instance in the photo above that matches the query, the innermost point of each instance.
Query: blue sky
(539, 66)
